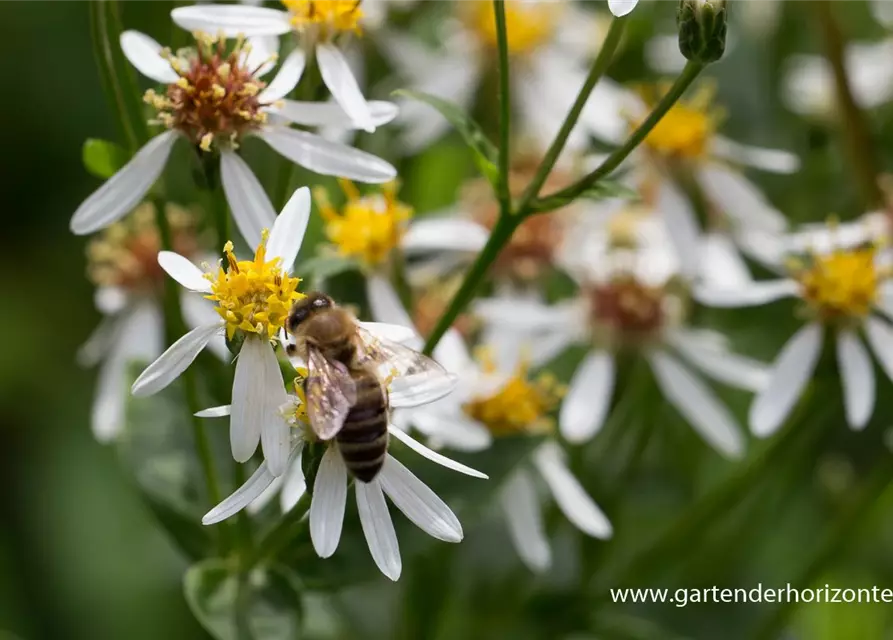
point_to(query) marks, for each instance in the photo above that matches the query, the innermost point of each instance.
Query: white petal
(682, 227)
(453, 430)
(232, 20)
(338, 77)
(774, 160)
(241, 497)
(110, 299)
(100, 341)
(721, 264)
(330, 114)
(325, 157)
(418, 502)
(246, 197)
(143, 53)
(569, 494)
(286, 78)
(697, 403)
(588, 398)
(174, 361)
(384, 303)
(622, 7)
(527, 315)
(266, 497)
(720, 363)
(263, 48)
(378, 528)
(198, 311)
(740, 199)
(857, 375)
(183, 271)
(424, 451)
(525, 521)
(753, 294)
(327, 505)
(880, 337)
(293, 485)
(124, 190)
(107, 413)
(258, 393)
(791, 372)
(445, 234)
(288, 230)
(221, 411)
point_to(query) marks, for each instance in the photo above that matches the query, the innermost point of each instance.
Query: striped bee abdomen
(363, 440)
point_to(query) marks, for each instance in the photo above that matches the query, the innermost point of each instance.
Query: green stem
(133, 96)
(553, 200)
(505, 104)
(281, 534)
(840, 537)
(855, 129)
(219, 206)
(599, 67)
(310, 82)
(502, 231)
(174, 326)
(401, 283)
(105, 61)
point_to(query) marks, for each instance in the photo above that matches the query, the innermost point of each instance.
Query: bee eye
(297, 317)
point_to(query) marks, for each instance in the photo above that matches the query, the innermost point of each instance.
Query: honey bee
(349, 375)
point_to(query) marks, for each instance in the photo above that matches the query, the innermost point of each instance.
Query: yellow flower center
(368, 227)
(687, 128)
(216, 96)
(521, 405)
(527, 24)
(841, 284)
(328, 17)
(253, 295)
(126, 253)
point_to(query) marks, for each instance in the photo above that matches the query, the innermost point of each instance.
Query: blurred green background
(82, 557)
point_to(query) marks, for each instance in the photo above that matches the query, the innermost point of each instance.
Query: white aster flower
(496, 397)
(686, 140)
(808, 81)
(122, 263)
(847, 289)
(630, 298)
(551, 45)
(409, 494)
(238, 104)
(253, 297)
(319, 26)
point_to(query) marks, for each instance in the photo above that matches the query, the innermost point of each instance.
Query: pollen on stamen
(216, 98)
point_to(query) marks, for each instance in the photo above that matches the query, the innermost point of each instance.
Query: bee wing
(330, 393)
(412, 378)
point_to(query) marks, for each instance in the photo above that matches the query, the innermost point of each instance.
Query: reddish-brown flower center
(626, 309)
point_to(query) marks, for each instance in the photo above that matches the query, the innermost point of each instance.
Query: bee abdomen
(363, 441)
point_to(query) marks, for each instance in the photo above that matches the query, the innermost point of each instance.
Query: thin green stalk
(854, 130)
(505, 104)
(133, 96)
(175, 326)
(500, 235)
(688, 75)
(840, 537)
(599, 67)
(105, 61)
(281, 534)
(401, 282)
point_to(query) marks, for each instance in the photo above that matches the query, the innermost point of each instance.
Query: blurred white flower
(685, 145)
(496, 397)
(236, 105)
(319, 26)
(550, 43)
(410, 495)
(808, 82)
(253, 297)
(846, 285)
(122, 264)
(630, 298)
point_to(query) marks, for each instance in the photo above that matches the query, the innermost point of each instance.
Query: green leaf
(103, 158)
(263, 605)
(602, 190)
(485, 152)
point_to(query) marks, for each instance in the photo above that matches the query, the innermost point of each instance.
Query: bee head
(306, 307)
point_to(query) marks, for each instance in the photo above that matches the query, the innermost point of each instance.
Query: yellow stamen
(842, 284)
(368, 227)
(687, 128)
(253, 295)
(528, 24)
(330, 17)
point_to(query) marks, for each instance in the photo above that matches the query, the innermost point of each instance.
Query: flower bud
(702, 29)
